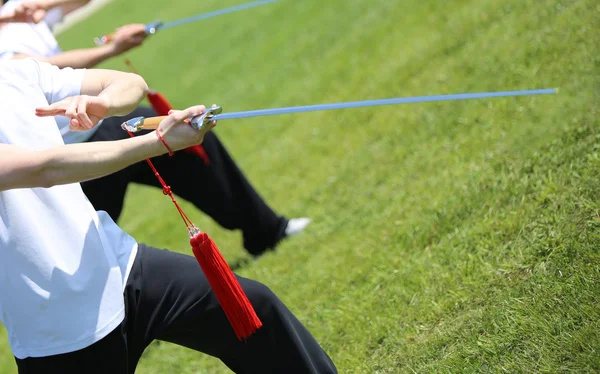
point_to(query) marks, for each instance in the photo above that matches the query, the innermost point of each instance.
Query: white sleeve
(57, 83)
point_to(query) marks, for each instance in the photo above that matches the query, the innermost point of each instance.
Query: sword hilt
(151, 29)
(151, 123)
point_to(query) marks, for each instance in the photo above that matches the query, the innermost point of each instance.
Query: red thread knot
(167, 190)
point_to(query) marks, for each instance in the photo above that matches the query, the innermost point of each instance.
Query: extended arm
(22, 168)
(77, 58)
(35, 10)
(125, 38)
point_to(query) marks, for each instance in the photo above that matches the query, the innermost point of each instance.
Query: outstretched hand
(128, 37)
(179, 134)
(83, 112)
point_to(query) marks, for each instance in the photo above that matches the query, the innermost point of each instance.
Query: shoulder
(23, 69)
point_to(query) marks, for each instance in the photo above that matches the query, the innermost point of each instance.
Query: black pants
(219, 189)
(167, 297)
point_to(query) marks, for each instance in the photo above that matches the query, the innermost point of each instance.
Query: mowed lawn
(447, 237)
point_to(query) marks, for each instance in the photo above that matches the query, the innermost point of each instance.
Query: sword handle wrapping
(152, 123)
(142, 123)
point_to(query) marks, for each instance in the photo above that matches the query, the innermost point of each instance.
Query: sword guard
(205, 118)
(153, 27)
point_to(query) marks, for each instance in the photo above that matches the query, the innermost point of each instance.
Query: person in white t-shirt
(77, 293)
(234, 203)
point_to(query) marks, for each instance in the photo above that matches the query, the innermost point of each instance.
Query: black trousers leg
(109, 355)
(168, 298)
(219, 189)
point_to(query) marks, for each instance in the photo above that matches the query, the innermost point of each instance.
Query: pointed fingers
(82, 115)
(56, 109)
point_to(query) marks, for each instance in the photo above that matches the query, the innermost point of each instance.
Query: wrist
(109, 49)
(162, 140)
(104, 101)
(151, 145)
(46, 4)
(49, 4)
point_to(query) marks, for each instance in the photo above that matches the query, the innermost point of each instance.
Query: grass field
(447, 237)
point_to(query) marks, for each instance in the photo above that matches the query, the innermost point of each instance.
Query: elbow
(46, 174)
(44, 180)
(138, 81)
(30, 170)
(44, 177)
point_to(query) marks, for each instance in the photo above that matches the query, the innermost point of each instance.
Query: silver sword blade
(216, 113)
(369, 103)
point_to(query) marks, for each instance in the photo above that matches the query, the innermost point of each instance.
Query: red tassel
(233, 300)
(162, 106)
(199, 151)
(160, 103)
(229, 292)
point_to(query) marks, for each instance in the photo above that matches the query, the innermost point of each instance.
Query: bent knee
(264, 301)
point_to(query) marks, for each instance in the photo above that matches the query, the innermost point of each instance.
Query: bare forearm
(81, 58)
(49, 4)
(76, 162)
(123, 91)
(6, 18)
(81, 162)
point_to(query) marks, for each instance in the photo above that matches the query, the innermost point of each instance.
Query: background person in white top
(73, 295)
(228, 197)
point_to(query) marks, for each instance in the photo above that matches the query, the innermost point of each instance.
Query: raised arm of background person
(35, 10)
(22, 168)
(124, 39)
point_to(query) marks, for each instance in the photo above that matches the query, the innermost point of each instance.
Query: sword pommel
(133, 125)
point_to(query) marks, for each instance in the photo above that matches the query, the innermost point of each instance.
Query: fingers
(39, 15)
(71, 110)
(74, 125)
(82, 115)
(56, 109)
(74, 108)
(212, 124)
(196, 110)
(132, 30)
(138, 40)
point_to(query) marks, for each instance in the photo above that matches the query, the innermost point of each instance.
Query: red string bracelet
(164, 142)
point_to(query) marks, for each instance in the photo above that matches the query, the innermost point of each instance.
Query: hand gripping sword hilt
(198, 122)
(205, 118)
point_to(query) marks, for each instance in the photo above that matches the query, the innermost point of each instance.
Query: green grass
(447, 237)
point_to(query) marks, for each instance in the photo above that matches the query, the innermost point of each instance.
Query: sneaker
(296, 226)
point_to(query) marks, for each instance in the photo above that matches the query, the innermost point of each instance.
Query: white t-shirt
(37, 40)
(63, 266)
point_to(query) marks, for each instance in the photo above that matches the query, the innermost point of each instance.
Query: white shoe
(296, 225)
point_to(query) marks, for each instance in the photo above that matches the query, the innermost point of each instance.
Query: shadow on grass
(240, 263)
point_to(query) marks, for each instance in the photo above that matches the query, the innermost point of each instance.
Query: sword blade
(216, 113)
(215, 13)
(370, 103)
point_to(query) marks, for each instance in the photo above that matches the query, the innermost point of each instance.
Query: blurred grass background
(447, 237)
